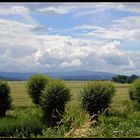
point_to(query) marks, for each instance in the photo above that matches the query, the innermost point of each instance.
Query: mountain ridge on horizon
(77, 70)
(64, 75)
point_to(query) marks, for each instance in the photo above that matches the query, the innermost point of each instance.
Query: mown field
(24, 119)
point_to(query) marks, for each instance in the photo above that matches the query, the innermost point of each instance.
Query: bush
(96, 96)
(35, 86)
(5, 99)
(134, 91)
(54, 98)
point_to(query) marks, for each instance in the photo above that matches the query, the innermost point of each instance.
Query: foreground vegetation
(24, 119)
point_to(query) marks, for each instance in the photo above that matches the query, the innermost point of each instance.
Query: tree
(54, 98)
(35, 87)
(96, 96)
(132, 78)
(5, 99)
(125, 79)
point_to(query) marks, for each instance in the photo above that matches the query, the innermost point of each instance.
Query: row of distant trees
(118, 78)
(125, 79)
(74, 79)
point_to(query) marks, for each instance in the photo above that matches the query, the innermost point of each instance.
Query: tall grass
(21, 122)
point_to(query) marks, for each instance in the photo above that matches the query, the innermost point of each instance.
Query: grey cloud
(22, 51)
(136, 35)
(46, 58)
(18, 52)
(117, 60)
(2, 50)
(131, 7)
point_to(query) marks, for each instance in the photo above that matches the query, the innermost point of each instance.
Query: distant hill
(5, 78)
(66, 75)
(82, 75)
(16, 76)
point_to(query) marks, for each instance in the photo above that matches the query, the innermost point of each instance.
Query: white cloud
(79, 9)
(130, 7)
(88, 12)
(16, 38)
(129, 22)
(113, 54)
(23, 12)
(23, 47)
(74, 63)
(94, 8)
(53, 10)
(23, 50)
(127, 28)
(62, 8)
(12, 10)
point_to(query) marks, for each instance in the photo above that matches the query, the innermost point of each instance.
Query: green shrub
(96, 96)
(134, 90)
(5, 99)
(54, 97)
(35, 86)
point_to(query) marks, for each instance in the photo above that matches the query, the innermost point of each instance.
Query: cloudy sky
(42, 37)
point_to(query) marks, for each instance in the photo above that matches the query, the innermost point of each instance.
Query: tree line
(124, 78)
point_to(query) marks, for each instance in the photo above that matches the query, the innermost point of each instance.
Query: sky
(58, 36)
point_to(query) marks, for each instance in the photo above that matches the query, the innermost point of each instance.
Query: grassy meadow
(24, 119)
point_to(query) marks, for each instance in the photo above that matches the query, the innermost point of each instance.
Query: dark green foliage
(35, 86)
(54, 97)
(96, 96)
(121, 79)
(134, 91)
(5, 99)
(22, 122)
(125, 79)
(132, 78)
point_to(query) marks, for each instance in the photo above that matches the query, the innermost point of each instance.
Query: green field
(123, 120)
(21, 98)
